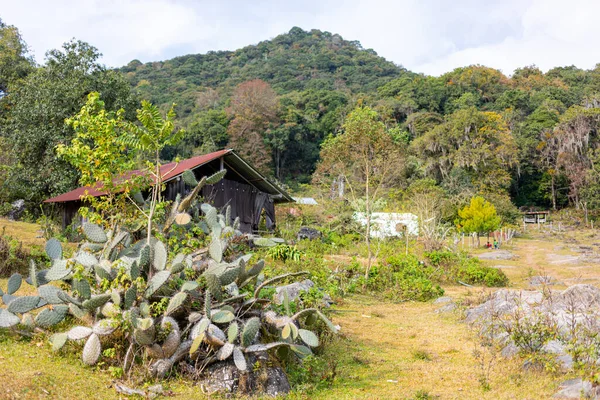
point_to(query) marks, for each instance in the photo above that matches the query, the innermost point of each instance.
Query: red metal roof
(168, 171)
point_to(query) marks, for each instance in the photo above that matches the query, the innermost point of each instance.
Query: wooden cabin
(250, 194)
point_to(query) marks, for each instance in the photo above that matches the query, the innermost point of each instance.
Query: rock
(574, 389)
(448, 307)
(443, 300)
(18, 207)
(293, 290)
(496, 255)
(542, 280)
(224, 377)
(509, 351)
(308, 233)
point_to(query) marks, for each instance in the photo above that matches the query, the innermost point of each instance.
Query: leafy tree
(150, 135)
(15, 63)
(38, 107)
(366, 159)
(478, 142)
(100, 154)
(254, 110)
(478, 217)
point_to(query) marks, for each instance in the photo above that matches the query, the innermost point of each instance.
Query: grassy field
(385, 351)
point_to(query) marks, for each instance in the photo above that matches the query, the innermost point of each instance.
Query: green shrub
(404, 278)
(14, 257)
(471, 271)
(461, 267)
(285, 252)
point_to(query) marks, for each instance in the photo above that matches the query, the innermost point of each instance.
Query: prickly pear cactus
(208, 306)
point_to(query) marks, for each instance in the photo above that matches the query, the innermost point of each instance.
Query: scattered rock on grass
(496, 255)
(574, 389)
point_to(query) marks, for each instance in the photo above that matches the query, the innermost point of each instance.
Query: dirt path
(396, 351)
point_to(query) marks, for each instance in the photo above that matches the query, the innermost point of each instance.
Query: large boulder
(293, 290)
(18, 207)
(224, 377)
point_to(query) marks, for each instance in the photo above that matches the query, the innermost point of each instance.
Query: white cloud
(431, 36)
(554, 33)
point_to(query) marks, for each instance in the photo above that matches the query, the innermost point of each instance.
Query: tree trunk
(553, 194)
(368, 233)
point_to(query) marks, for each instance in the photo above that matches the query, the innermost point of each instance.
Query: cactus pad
(239, 359)
(94, 233)
(54, 249)
(216, 177)
(183, 218)
(96, 301)
(82, 287)
(105, 327)
(58, 340)
(8, 319)
(156, 282)
(58, 271)
(250, 331)
(130, 296)
(86, 259)
(160, 256)
(79, 332)
(189, 178)
(225, 351)
(216, 250)
(91, 350)
(23, 304)
(176, 302)
(48, 317)
(232, 332)
(14, 283)
(222, 316)
(308, 337)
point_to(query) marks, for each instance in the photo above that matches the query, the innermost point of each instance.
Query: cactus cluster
(212, 308)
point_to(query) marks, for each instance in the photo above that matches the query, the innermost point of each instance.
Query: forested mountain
(295, 61)
(532, 136)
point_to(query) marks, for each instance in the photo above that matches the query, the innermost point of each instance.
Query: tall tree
(38, 108)
(15, 62)
(366, 159)
(476, 142)
(253, 107)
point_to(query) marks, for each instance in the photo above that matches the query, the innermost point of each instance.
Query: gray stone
(293, 290)
(224, 377)
(574, 389)
(541, 280)
(443, 300)
(18, 207)
(496, 255)
(509, 351)
(308, 233)
(446, 308)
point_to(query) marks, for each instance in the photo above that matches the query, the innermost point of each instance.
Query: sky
(429, 36)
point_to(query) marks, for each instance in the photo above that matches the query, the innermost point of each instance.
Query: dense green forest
(531, 136)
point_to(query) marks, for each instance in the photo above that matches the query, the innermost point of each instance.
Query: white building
(390, 224)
